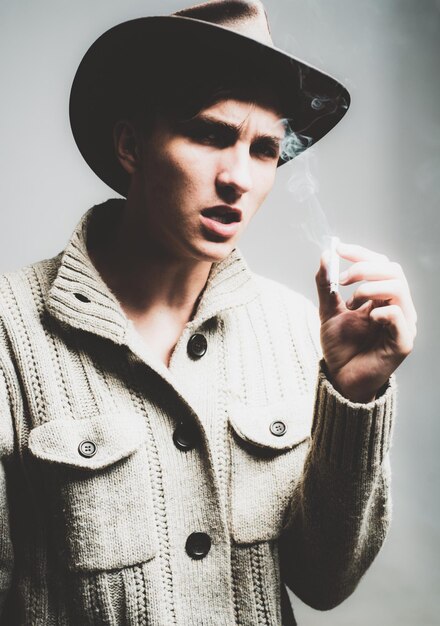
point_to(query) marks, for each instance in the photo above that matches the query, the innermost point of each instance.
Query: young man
(177, 441)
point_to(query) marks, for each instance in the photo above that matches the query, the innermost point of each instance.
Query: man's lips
(221, 221)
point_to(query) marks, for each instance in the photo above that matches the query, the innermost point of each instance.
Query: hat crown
(246, 17)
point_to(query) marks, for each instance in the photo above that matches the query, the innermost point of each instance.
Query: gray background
(376, 177)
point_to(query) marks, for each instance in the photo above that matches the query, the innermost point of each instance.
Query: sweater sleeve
(341, 509)
(6, 448)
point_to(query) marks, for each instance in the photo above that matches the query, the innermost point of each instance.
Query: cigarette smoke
(309, 214)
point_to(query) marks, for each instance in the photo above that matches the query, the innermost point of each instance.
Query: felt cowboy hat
(125, 65)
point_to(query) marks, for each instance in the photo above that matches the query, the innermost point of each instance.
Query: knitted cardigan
(102, 539)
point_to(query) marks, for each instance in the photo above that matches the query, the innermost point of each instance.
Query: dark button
(82, 297)
(185, 436)
(278, 428)
(197, 345)
(87, 448)
(198, 545)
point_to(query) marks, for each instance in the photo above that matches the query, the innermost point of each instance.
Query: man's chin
(217, 251)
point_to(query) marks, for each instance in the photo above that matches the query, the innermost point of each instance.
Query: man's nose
(235, 170)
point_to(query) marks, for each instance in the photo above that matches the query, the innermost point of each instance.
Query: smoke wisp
(303, 185)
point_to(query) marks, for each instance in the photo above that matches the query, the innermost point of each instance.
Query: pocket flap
(92, 442)
(279, 426)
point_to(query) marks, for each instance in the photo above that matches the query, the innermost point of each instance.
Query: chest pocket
(268, 449)
(96, 473)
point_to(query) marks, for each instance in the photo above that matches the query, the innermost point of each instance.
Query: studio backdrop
(374, 181)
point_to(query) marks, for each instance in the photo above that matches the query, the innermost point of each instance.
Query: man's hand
(366, 338)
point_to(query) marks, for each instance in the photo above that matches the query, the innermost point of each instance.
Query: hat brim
(107, 81)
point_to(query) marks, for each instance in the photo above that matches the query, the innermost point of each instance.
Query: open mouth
(223, 214)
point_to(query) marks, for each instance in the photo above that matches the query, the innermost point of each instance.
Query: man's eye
(212, 137)
(266, 151)
(209, 135)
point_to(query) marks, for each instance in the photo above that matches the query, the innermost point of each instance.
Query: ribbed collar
(79, 296)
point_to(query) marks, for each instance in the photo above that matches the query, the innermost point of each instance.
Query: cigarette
(334, 266)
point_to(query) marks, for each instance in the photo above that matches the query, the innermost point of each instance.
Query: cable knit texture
(289, 479)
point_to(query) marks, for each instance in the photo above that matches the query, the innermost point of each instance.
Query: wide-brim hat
(123, 67)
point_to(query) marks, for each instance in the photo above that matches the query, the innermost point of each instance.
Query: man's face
(201, 181)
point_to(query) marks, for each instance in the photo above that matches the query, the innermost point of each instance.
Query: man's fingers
(392, 291)
(353, 252)
(393, 317)
(371, 270)
(385, 285)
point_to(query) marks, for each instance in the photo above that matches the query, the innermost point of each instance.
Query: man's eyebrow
(233, 128)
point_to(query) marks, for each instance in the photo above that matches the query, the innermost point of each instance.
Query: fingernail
(343, 277)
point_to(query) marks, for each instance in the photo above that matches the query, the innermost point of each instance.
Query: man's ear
(126, 145)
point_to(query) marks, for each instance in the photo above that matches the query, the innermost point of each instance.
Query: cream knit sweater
(286, 479)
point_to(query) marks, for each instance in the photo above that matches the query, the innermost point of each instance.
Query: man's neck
(146, 281)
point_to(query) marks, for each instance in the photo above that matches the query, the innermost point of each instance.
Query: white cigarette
(334, 266)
